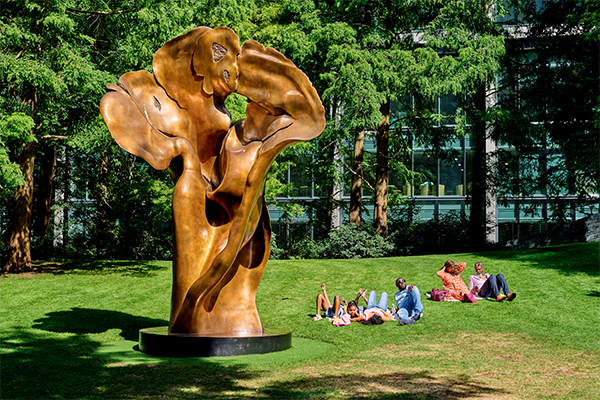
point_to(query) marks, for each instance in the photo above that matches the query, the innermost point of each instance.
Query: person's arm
(444, 276)
(386, 316)
(473, 288)
(345, 305)
(361, 293)
(358, 319)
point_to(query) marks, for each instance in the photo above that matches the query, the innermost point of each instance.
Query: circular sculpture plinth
(159, 342)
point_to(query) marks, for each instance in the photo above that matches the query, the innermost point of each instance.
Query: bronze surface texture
(175, 118)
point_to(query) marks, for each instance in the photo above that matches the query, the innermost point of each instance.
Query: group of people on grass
(408, 306)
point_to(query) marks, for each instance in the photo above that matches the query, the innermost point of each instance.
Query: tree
(47, 75)
(548, 111)
(419, 48)
(55, 62)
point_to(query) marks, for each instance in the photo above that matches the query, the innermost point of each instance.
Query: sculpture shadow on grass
(86, 320)
(43, 365)
(40, 365)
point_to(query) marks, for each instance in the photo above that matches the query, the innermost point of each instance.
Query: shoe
(500, 297)
(407, 322)
(317, 317)
(417, 316)
(511, 296)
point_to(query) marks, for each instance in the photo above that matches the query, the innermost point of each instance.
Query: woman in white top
(376, 312)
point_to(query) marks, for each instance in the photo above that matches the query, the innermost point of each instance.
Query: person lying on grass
(488, 286)
(324, 304)
(376, 312)
(453, 283)
(343, 307)
(408, 301)
(353, 309)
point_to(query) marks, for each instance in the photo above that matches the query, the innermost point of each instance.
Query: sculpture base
(159, 342)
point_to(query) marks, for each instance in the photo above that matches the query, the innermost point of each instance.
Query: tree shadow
(42, 366)
(556, 257)
(135, 268)
(419, 385)
(86, 320)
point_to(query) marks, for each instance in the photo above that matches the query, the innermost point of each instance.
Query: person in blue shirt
(408, 301)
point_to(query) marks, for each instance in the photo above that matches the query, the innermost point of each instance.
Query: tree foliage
(58, 157)
(548, 110)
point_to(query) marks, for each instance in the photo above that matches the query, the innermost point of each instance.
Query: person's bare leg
(320, 306)
(336, 305)
(323, 303)
(327, 302)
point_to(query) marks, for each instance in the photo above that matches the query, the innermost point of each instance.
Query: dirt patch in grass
(509, 358)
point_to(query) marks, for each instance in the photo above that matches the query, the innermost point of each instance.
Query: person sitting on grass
(324, 304)
(488, 286)
(376, 312)
(408, 301)
(453, 283)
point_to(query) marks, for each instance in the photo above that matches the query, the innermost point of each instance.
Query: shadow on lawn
(134, 268)
(420, 385)
(57, 363)
(557, 257)
(86, 320)
(44, 365)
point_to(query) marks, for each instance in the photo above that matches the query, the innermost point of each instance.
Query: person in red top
(453, 283)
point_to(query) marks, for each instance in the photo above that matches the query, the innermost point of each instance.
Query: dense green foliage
(548, 110)
(72, 333)
(89, 198)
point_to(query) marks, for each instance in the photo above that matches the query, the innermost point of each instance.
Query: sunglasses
(400, 281)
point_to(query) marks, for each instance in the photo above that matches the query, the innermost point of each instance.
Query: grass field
(70, 331)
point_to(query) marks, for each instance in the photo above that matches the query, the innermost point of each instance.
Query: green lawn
(70, 332)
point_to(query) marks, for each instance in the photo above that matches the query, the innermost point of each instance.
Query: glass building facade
(446, 185)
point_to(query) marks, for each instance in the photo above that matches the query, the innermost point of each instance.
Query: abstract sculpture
(175, 118)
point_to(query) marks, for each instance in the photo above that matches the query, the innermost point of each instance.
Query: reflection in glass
(448, 106)
(451, 174)
(428, 209)
(400, 110)
(300, 177)
(427, 166)
(469, 156)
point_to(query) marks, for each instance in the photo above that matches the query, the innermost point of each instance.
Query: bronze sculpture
(175, 118)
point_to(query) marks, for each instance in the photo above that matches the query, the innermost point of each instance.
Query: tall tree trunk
(382, 171)
(336, 212)
(333, 216)
(331, 189)
(357, 177)
(45, 187)
(102, 206)
(19, 246)
(477, 219)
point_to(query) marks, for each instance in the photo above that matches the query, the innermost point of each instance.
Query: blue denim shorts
(329, 313)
